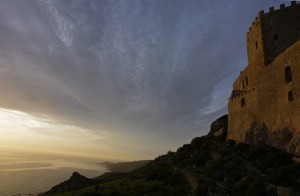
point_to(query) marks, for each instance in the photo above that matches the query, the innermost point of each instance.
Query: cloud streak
(145, 71)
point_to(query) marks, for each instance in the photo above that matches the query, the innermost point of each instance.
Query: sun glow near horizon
(27, 133)
(97, 79)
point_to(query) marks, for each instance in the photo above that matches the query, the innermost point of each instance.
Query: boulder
(219, 128)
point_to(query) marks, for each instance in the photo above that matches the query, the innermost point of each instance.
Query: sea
(29, 175)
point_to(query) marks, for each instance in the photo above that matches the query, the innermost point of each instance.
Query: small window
(246, 81)
(275, 36)
(290, 96)
(288, 74)
(256, 45)
(243, 84)
(243, 103)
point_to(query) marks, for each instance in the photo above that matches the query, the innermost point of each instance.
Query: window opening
(288, 74)
(290, 96)
(243, 103)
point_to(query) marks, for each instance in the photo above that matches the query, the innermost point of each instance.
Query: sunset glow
(121, 80)
(25, 132)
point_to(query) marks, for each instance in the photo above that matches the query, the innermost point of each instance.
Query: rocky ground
(209, 165)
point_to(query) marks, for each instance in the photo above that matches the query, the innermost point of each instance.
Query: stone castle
(264, 107)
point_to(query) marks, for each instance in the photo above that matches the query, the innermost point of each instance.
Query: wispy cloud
(130, 73)
(60, 24)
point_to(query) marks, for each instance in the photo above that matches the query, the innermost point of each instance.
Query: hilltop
(209, 165)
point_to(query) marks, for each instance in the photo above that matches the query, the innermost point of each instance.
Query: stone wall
(275, 109)
(255, 45)
(265, 104)
(280, 29)
(240, 117)
(267, 107)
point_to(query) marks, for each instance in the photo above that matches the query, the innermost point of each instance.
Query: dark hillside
(209, 165)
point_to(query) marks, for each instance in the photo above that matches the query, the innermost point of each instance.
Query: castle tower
(280, 29)
(269, 35)
(265, 100)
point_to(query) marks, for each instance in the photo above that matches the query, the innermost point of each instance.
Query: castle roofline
(272, 10)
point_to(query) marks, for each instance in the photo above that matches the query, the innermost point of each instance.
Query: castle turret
(280, 29)
(255, 45)
(264, 107)
(271, 33)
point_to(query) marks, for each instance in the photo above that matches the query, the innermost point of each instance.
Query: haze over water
(20, 174)
(111, 79)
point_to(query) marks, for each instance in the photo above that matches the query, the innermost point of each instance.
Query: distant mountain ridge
(124, 166)
(209, 165)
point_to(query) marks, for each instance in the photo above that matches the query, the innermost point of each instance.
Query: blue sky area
(123, 79)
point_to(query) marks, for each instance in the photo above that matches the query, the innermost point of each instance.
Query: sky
(117, 79)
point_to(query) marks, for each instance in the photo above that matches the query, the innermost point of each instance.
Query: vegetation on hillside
(124, 166)
(209, 165)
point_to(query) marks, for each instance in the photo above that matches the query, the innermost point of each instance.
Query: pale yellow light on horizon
(24, 132)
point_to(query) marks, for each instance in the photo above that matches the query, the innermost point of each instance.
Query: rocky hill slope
(124, 166)
(76, 181)
(209, 165)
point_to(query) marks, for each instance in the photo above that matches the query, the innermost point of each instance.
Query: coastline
(124, 166)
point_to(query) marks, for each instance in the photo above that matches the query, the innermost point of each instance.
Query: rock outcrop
(219, 127)
(260, 134)
(209, 165)
(75, 182)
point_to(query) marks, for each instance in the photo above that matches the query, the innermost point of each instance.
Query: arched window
(288, 74)
(243, 103)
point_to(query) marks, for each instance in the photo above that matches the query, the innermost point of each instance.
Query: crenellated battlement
(255, 23)
(282, 9)
(267, 91)
(271, 33)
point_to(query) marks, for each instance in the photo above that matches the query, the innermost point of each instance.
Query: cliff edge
(209, 165)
